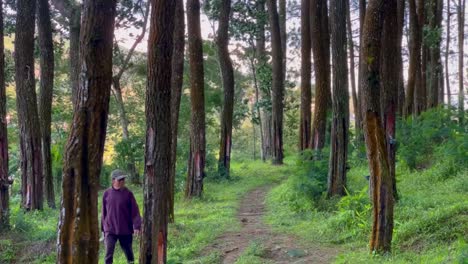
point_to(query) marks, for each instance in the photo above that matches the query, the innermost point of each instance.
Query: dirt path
(278, 248)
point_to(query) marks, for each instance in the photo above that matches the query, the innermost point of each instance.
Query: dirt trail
(279, 248)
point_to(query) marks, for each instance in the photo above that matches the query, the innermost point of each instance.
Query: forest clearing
(233, 131)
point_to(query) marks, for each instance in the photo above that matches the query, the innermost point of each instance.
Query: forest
(242, 131)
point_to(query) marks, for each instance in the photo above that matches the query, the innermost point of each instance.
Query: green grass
(198, 222)
(431, 219)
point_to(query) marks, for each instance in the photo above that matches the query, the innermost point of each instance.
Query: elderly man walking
(120, 217)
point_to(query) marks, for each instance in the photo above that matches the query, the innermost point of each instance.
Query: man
(120, 217)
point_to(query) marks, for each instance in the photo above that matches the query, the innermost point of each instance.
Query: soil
(277, 247)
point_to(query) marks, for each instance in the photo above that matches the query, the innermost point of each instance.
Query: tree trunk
(447, 53)
(362, 15)
(176, 92)
(257, 108)
(401, 84)
(277, 89)
(265, 94)
(321, 53)
(414, 70)
(26, 102)
(435, 70)
(158, 133)
(74, 53)
(306, 67)
(374, 134)
(461, 44)
(349, 27)
(4, 181)
(282, 12)
(227, 74)
(197, 156)
(46, 45)
(78, 238)
(340, 119)
(390, 81)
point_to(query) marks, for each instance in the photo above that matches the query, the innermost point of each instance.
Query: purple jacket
(120, 214)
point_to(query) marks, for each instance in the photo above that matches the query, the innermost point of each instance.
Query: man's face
(117, 184)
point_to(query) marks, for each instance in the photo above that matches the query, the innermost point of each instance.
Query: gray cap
(118, 174)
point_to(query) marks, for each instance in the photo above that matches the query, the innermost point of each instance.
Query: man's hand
(136, 232)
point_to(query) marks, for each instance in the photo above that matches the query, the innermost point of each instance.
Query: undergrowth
(431, 220)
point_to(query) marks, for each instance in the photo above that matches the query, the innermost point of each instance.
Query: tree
(401, 86)
(340, 119)
(117, 89)
(432, 40)
(357, 113)
(263, 73)
(283, 33)
(197, 156)
(413, 103)
(390, 81)
(26, 103)
(71, 10)
(321, 53)
(277, 90)
(227, 72)
(447, 52)
(4, 181)
(461, 45)
(78, 237)
(158, 133)
(46, 46)
(176, 83)
(382, 195)
(306, 67)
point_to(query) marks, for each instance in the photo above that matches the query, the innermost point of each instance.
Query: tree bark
(74, 53)
(306, 68)
(374, 134)
(435, 64)
(197, 156)
(176, 92)
(158, 133)
(349, 27)
(265, 94)
(321, 54)
(390, 71)
(340, 119)
(4, 181)
(26, 102)
(401, 85)
(461, 44)
(78, 238)
(72, 11)
(414, 70)
(447, 53)
(282, 12)
(362, 15)
(227, 73)
(46, 45)
(277, 89)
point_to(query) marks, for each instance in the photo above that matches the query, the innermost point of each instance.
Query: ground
(275, 247)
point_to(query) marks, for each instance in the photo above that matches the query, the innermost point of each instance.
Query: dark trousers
(125, 243)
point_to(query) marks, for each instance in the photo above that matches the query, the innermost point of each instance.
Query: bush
(419, 137)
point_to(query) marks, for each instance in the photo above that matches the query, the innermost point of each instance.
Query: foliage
(420, 137)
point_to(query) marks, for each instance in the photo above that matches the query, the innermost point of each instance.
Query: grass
(431, 219)
(198, 222)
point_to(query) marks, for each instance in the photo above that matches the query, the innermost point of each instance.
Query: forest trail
(276, 247)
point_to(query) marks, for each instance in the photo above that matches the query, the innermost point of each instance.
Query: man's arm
(136, 218)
